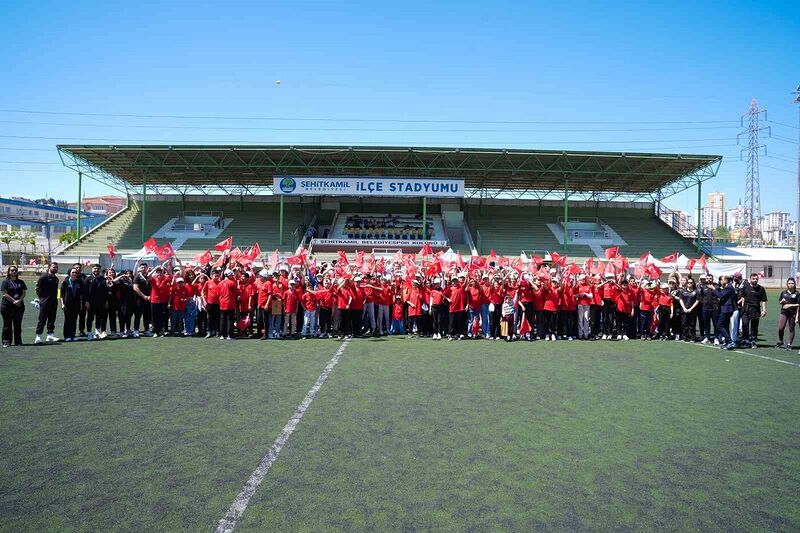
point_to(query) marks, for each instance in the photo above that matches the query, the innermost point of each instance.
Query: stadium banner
(367, 186)
(377, 242)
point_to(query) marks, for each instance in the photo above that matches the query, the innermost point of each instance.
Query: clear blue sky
(617, 63)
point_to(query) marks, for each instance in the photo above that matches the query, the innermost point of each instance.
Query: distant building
(47, 221)
(714, 212)
(776, 228)
(102, 205)
(738, 217)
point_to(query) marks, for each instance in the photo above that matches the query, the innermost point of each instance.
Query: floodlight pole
(280, 223)
(144, 206)
(424, 218)
(566, 212)
(78, 209)
(796, 258)
(699, 214)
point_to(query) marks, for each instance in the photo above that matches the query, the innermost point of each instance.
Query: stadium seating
(258, 222)
(510, 229)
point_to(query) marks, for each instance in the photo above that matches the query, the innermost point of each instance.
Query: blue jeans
(723, 324)
(177, 321)
(398, 328)
(309, 323)
(485, 320)
(735, 327)
(274, 330)
(191, 315)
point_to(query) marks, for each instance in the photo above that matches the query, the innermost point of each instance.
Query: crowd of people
(343, 300)
(387, 227)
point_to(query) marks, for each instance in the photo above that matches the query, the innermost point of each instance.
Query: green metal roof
(488, 172)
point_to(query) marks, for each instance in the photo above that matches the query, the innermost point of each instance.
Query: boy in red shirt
(290, 302)
(228, 296)
(179, 295)
(457, 297)
(584, 291)
(211, 296)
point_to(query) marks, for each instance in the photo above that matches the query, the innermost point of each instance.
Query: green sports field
(406, 434)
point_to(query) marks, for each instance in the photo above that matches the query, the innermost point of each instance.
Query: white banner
(377, 242)
(367, 186)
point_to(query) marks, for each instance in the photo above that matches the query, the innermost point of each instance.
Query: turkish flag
(524, 327)
(111, 250)
(544, 273)
(224, 245)
(492, 255)
(273, 259)
(380, 266)
(643, 259)
(255, 252)
(476, 327)
(150, 245)
(343, 258)
(535, 259)
(295, 260)
(702, 262)
(653, 271)
(573, 269)
(236, 253)
(359, 260)
(671, 258)
(476, 262)
(164, 252)
(612, 252)
(558, 259)
(426, 249)
(638, 271)
(204, 258)
(690, 264)
(460, 260)
(516, 264)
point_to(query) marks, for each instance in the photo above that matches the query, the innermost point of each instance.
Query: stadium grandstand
(384, 199)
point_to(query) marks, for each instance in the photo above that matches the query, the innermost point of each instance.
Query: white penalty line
(754, 355)
(239, 505)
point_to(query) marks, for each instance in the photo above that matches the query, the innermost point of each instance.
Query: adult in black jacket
(82, 311)
(141, 306)
(753, 300)
(47, 292)
(72, 291)
(12, 306)
(95, 300)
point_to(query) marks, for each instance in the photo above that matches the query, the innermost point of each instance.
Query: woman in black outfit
(71, 303)
(12, 306)
(689, 302)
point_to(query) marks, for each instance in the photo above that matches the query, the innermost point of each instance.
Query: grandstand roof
(488, 172)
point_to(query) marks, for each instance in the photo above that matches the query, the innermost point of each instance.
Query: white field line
(239, 505)
(753, 355)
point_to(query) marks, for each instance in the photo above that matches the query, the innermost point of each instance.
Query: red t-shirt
(609, 292)
(415, 302)
(227, 294)
(474, 297)
(324, 298)
(289, 302)
(211, 292)
(584, 288)
(458, 299)
(551, 299)
(384, 296)
(247, 293)
(397, 311)
(358, 298)
(623, 301)
(567, 300)
(179, 296)
(664, 298)
(309, 301)
(160, 289)
(526, 293)
(264, 290)
(437, 297)
(646, 299)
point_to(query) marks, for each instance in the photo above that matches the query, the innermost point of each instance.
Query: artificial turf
(406, 434)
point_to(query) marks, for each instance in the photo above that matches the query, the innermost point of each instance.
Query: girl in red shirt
(550, 312)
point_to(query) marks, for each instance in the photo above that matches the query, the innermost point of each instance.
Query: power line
(372, 130)
(364, 120)
(793, 126)
(778, 169)
(340, 143)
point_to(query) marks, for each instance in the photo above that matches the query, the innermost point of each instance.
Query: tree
(30, 238)
(721, 233)
(7, 237)
(68, 237)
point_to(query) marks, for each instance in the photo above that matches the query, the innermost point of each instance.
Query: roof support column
(424, 218)
(280, 223)
(78, 209)
(144, 206)
(699, 213)
(566, 212)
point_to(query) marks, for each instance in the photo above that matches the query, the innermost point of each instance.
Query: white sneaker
(716, 342)
(37, 340)
(704, 341)
(52, 338)
(103, 335)
(136, 334)
(625, 338)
